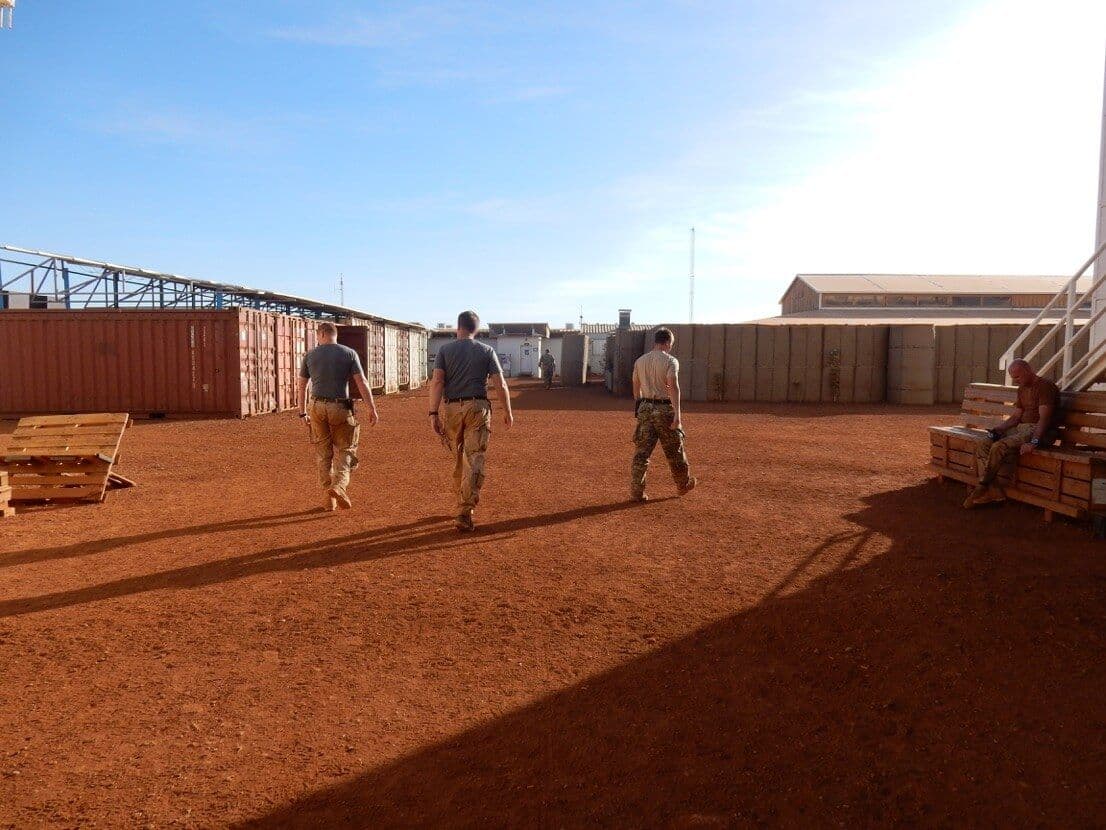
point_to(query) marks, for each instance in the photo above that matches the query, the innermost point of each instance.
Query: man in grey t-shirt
(461, 372)
(330, 368)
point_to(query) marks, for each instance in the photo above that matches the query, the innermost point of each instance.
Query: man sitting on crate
(1029, 427)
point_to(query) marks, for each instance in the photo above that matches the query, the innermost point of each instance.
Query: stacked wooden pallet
(6, 510)
(63, 457)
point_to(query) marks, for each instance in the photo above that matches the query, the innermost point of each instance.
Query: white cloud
(978, 157)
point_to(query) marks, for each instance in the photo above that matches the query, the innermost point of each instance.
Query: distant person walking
(547, 365)
(327, 370)
(657, 395)
(461, 372)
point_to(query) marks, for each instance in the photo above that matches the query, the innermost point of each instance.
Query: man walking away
(461, 372)
(657, 395)
(329, 368)
(1029, 427)
(548, 365)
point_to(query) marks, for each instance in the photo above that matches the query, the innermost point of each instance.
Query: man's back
(467, 364)
(330, 367)
(652, 370)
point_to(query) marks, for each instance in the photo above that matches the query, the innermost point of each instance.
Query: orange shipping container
(214, 363)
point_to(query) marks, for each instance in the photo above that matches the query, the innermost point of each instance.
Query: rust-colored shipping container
(215, 363)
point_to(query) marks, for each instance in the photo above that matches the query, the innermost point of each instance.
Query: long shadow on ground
(420, 536)
(944, 682)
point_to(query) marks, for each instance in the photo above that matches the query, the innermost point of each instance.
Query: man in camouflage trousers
(548, 365)
(657, 392)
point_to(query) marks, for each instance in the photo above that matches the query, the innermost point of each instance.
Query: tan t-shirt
(652, 369)
(1041, 392)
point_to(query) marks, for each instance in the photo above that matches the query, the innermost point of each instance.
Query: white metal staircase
(1073, 375)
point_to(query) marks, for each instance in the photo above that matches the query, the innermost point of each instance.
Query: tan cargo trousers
(990, 455)
(334, 432)
(468, 425)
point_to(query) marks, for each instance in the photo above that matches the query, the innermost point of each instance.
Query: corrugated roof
(611, 328)
(935, 284)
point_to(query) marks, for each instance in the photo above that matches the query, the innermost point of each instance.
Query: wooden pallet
(63, 457)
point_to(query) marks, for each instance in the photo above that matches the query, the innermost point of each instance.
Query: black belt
(334, 400)
(471, 398)
(655, 400)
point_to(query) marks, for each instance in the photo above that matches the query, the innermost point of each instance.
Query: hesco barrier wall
(573, 364)
(827, 363)
(231, 363)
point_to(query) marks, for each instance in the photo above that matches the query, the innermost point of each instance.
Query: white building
(519, 345)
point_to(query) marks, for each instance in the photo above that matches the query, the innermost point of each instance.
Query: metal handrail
(1065, 292)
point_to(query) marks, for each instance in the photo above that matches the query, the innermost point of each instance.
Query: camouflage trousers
(990, 455)
(468, 425)
(654, 423)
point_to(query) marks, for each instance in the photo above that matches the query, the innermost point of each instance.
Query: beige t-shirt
(652, 369)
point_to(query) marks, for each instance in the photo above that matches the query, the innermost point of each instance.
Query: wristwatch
(304, 415)
(435, 412)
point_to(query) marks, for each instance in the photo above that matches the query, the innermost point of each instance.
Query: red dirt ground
(817, 635)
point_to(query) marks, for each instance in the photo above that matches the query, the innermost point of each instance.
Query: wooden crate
(6, 510)
(1057, 479)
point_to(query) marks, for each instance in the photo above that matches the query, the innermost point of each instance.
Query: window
(849, 300)
(966, 301)
(38, 301)
(997, 302)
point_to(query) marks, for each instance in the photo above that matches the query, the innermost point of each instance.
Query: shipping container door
(377, 362)
(416, 357)
(391, 359)
(356, 338)
(403, 358)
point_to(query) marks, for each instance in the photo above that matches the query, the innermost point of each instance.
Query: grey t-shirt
(330, 367)
(467, 364)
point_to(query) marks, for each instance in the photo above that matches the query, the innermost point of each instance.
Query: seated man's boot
(974, 497)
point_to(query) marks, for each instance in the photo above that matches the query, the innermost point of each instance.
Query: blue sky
(527, 159)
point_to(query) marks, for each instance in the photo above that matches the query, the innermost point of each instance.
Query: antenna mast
(691, 282)
(341, 290)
